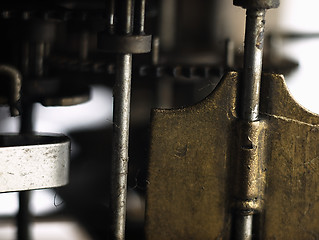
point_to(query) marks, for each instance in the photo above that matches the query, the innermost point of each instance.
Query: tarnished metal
(121, 123)
(193, 154)
(254, 44)
(188, 196)
(251, 166)
(121, 120)
(249, 177)
(244, 226)
(257, 4)
(291, 204)
(33, 162)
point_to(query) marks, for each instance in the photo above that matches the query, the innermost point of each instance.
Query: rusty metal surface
(190, 192)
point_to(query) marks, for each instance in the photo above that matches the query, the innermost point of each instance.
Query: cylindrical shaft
(140, 17)
(110, 15)
(124, 10)
(243, 227)
(250, 85)
(24, 215)
(254, 41)
(121, 119)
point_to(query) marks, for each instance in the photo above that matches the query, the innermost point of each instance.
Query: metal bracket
(194, 152)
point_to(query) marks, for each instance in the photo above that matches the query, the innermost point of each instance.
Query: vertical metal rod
(125, 19)
(24, 215)
(111, 15)
(140, 18)
(121, 118)
(155, 50)
(243, 226)
(254, 43)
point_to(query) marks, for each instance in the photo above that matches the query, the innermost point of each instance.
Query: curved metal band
(134, 44)
(33, 161)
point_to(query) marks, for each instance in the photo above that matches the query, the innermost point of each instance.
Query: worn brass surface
(292, 193)
(191, 169)
(250, 172)
(187, 191)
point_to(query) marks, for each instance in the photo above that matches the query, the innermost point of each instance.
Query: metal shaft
(140, 18)
(24, 215)
(244, 227)
(121, 119)
(254, 42)
(111, 15)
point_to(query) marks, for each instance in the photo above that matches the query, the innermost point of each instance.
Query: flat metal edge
(188, 196)
(35, 166)
(292, 191)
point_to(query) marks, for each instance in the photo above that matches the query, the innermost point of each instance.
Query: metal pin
(24, 215)
(254, 42)
(140, 18)
(243, 226)
(121, 117)
(111, 13)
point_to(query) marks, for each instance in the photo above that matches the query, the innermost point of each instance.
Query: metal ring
(134, 44)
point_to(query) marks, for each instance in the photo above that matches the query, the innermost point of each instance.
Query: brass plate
(292, 193)
(190, 169)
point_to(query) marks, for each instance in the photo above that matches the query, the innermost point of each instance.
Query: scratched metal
(187, 197)
(292, 193)
(38, 162)
(190, 188)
